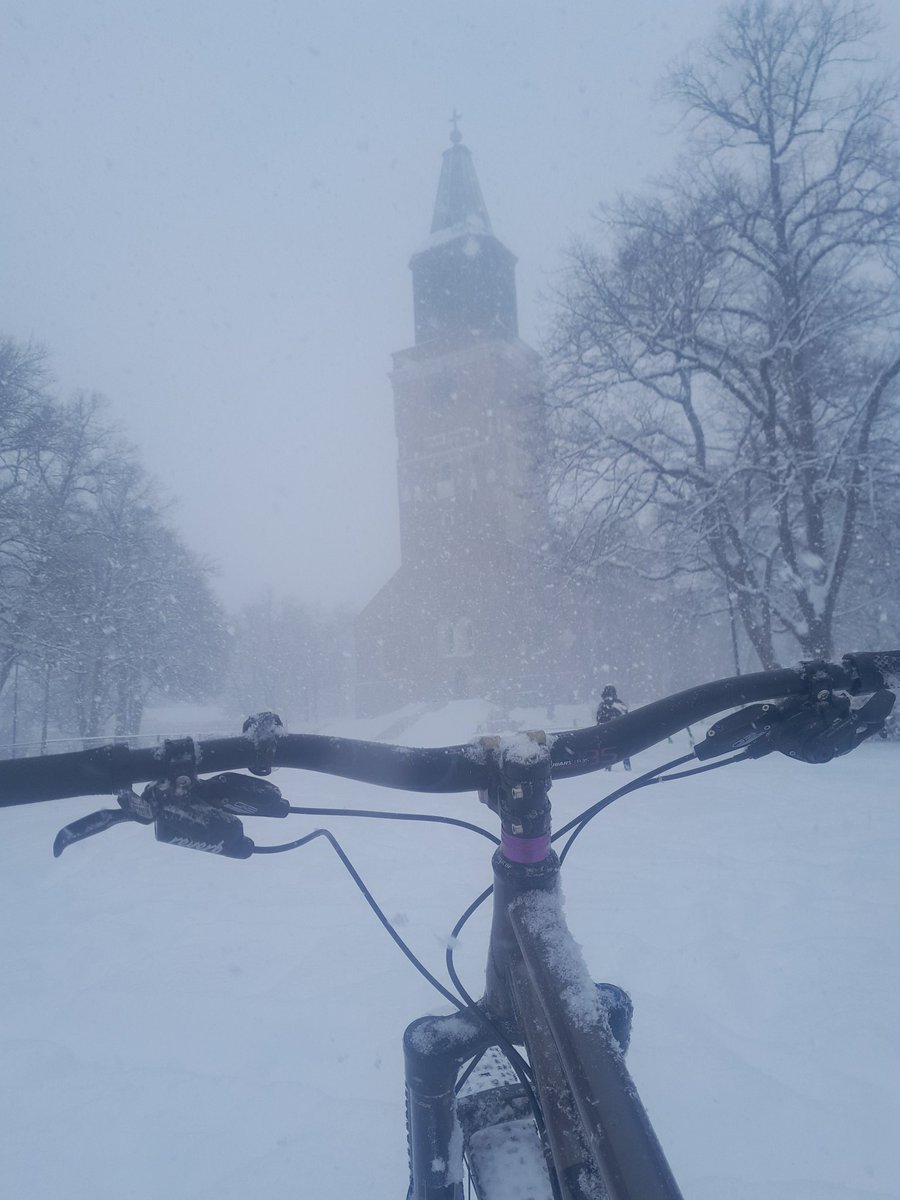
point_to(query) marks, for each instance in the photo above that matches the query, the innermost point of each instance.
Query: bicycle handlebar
(462, 768)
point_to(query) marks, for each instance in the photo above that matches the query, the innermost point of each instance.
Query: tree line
(100, 600)
(103, 607)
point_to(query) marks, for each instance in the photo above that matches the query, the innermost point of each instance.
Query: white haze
(207, 212)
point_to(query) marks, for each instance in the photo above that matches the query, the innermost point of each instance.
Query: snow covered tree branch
(725, 377)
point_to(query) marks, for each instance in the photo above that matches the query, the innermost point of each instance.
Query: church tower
(461, 615)
(467, 394)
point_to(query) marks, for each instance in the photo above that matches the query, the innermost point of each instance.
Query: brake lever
(131, 808)
(200, 814)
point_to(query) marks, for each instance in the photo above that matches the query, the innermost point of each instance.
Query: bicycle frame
(537, 994)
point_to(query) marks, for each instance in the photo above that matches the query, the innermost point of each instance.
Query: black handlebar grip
(874, 669)
(96, 772)
(105, 770)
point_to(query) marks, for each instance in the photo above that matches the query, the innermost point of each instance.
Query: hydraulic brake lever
(132, 808)
(201, 814)
(812, 729)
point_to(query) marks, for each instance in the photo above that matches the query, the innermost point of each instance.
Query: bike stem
(524, 861)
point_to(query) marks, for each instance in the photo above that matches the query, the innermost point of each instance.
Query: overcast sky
(208, 207)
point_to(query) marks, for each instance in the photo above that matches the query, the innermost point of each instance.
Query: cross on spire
(455, 135)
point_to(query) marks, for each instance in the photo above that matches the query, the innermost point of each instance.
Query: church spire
(459, 206)
(464, 280)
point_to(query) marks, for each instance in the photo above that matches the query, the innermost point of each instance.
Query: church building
(475, 608)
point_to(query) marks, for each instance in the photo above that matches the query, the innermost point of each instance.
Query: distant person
(608, 709)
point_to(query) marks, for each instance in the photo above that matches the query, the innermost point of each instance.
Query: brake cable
(467, 1003)
(577, 824)
(393, 816)
(516, 1061)
(372, 903)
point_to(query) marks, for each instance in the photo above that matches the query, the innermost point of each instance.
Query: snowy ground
(175, 1025)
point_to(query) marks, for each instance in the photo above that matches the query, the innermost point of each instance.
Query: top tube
(448, 769)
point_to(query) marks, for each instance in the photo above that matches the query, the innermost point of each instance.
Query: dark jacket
(608, 710)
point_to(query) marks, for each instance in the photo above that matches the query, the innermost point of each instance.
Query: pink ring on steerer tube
(524, 850)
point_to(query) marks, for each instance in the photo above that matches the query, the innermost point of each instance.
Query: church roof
(459, 207)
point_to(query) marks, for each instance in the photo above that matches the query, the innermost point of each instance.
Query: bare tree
(725, 401)
(44, 459)
(139, 616)
(100, 601)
